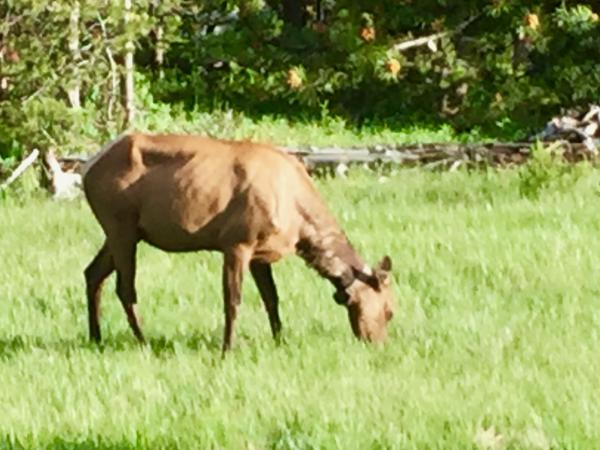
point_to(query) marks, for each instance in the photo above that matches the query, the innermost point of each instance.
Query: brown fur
(252, 202)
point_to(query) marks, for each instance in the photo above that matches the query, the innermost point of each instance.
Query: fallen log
(435, 155)
(430, 155)
(64, 172)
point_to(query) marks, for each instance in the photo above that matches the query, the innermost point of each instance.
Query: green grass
(497, 325)
(329, 131)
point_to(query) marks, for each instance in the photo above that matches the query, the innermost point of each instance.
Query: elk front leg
(263, 277)
(235, 264)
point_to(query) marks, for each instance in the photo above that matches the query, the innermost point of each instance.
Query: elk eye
(341, 297)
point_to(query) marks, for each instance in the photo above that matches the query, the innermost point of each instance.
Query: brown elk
(252, 202)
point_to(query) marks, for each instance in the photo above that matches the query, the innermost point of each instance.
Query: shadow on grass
(164, 346)
(161, 346)
(91, 443)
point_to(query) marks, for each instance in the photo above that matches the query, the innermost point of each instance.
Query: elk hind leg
(123, 248)
(95, 274)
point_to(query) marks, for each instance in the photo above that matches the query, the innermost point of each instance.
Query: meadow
(494, 343)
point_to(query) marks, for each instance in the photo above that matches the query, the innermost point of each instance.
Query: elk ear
(382, 270)
(383, 277)
(385, 264)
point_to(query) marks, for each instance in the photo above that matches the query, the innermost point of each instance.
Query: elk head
(369, 299)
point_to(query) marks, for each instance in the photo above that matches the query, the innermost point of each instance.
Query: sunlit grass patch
(494, 343)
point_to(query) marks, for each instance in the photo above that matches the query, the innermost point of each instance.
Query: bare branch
(419, 41)
(429, 40)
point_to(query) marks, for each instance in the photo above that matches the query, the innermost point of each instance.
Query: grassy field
(494, 344)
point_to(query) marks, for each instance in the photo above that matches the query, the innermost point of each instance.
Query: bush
(515, 62)
(547, 168)
(501, 66)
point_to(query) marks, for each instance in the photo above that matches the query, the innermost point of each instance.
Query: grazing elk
(252, 202)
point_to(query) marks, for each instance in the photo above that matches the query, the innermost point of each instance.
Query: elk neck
(325, 247)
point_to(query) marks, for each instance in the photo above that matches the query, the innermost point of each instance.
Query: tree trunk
(73, 91)
(113, 95)
(160, 50)
(292, 12)
(320, 11)
(129, 69)
(158, 32)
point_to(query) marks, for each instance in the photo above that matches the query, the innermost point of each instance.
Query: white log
(65, 185)
(592, 114)
(21, 168)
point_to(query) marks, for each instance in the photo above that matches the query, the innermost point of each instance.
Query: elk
(252, 202)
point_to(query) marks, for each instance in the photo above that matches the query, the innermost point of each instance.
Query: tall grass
(494, 343)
